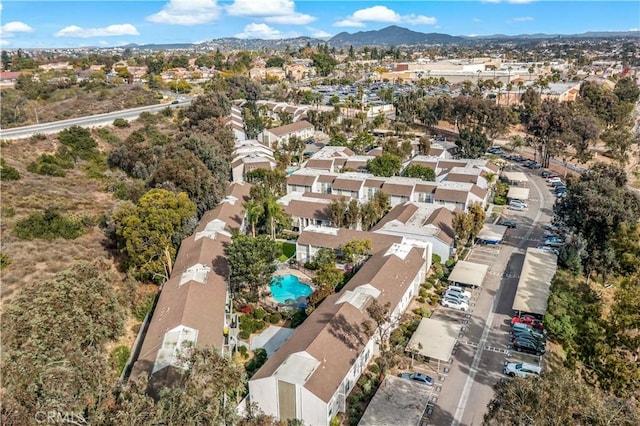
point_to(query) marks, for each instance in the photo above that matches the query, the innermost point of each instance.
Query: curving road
(89, 121)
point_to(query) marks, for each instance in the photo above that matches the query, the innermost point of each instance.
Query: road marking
(473, 370)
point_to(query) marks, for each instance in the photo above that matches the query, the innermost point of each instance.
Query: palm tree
(254, 210)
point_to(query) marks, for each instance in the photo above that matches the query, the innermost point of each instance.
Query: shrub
(259, 313)
(420, 299)
(48, 225)
(142, 308)
(298, 318)
(244, 334)
(275, 318)
(435, 299)
(435, 258)
(428, 285)
(499, 201)
(423, 292)
(243, 351)
(49, 165)
(7, 172)
(4, 261)
(119, 357)
(423, 312)
(108, 136)
(79, 143)
(450, 262)
(121, 123)
(37, 137)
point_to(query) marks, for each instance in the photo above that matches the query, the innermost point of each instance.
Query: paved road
(467, 386)
(89, 121)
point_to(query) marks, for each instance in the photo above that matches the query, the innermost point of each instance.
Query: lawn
(288, 250)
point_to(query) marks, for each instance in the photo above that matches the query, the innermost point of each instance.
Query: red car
(529, 320)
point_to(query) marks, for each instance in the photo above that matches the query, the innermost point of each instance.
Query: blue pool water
(287, 289)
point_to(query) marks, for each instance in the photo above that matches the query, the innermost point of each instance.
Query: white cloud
(472, 35)
(15, 27)
(187, 12)
(293, 19)
(262, 31)
(385, 15)
(318, 33)
(4, 42)
(523, 19)
(476, 20)
(272, 11)
(111, 30)
(348, 23)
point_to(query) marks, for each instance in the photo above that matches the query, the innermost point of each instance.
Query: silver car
(449, 302)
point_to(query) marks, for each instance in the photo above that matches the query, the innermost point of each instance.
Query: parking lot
(483, 347)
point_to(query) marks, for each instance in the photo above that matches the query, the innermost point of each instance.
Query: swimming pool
(288, 288)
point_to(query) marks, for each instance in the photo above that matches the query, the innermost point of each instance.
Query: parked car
(419, 378)
(522, 203)
(521, 369)
(555, 179)
(534, 165)
(549, 175)
(523, 345)
(556, 184)
(517, 207)
(546, 173)
(449, 302)
(525, 335)
(460, 290)
(527, 320)
(457, 296)
(549, 248)
(508, 223)
(521, 327)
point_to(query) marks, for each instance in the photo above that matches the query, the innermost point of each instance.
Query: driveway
(477, 362)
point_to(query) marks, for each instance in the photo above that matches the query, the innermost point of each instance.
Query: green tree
(54, 334)
(627, 90)
(559, 398)
(361, 142)
(276, 62)
(478, 215)
(472, 143)
(463, 226)
(419, 171)
(251, 261)
(149, 233)
(595, 207)
(385, 165)
(356, 251)
(189, 174)
(324, 63)
(337, 211)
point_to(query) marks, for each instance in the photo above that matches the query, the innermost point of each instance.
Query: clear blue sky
(33, 24)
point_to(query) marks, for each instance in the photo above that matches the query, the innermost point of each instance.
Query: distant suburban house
(311, 375)
(279, 135)
(194, 307)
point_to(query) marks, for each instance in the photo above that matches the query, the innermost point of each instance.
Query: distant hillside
(389, 36)
(392, 35)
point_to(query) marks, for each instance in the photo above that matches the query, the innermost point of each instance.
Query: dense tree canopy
(595, 207)
(53, 336)
(557, 398)
(385, 165)
(149, 233)
(419, 171)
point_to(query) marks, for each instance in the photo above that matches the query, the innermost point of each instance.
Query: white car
(457, 296)
(514, 202)
(517, 207)
(449, 302)
(521, 369)
(554, 180)
(458, 289)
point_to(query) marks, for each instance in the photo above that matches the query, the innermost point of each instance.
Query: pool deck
(300, 275)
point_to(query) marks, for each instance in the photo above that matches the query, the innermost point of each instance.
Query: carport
(468, 273)
(516, 193)
(434, 340)
(534, 286)
(492, 234)
(396, 402)
(515, 178)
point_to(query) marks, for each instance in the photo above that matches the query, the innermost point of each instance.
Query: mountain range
(389, 36)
